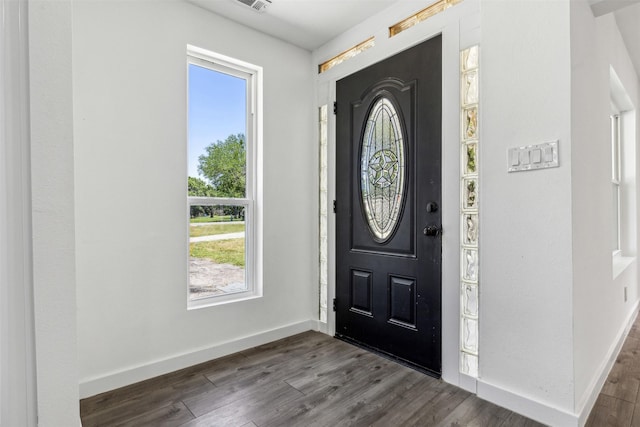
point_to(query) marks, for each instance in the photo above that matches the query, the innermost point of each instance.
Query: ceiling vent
(257, 5)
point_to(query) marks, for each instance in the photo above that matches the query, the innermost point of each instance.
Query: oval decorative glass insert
(382, 169)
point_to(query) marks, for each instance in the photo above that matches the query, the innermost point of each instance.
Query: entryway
(388, 216)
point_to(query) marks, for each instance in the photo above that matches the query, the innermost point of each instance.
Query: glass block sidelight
(323, 194)
(470, 229)
(469, 87)
(469, 213)
(469, 193)
(470, 364)
(470, 158)
(470, 264)
(469, 58)
(470, 123)
(469, 335)
(469, 300)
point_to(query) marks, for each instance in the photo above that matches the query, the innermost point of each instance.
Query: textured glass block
(470, 87)
(470, 300)
(382, 169)
(323, 113)
(323, 249)
(469, 365)
(470, 123)
(323, 177)
(470, 264)
(469, 335)
(323, 227)
(470, 229)
(470, 58)
(470, 193)
(323, 204)
(323, 279)
(470, 158)
(469, 135)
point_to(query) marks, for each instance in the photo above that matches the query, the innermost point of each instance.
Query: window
(324, 220)
(222, 184)
(470, 280)
(615, 180)
(623, 175)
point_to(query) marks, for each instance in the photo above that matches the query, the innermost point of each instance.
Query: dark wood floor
(309, 379)
(619, 401)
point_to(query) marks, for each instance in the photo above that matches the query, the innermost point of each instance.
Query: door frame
(459, 27)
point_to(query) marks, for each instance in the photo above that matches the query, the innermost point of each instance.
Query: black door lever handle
(433, 230)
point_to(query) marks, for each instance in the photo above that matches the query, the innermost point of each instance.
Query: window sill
(220, 300)
(620, 264)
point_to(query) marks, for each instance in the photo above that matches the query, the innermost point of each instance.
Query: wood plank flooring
(309, 379)
(618, 404)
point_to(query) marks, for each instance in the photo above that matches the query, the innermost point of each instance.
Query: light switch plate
(531, 157)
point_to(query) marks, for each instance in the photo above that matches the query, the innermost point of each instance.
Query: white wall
(525, 217)
(130, 163)
(53, 212)
(600, 312)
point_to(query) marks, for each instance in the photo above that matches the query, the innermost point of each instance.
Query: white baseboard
(468, 383)
(552, 416)
(528, 407)
(322, 327)
(590, 396)
(92, 386)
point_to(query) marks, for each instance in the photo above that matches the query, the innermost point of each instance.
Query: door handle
(433, 230)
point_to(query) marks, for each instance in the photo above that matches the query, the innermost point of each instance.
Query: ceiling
(306, 23)
(628, 20)
(311, 23)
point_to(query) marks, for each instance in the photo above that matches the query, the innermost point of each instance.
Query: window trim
(252, 202)
(616, 174)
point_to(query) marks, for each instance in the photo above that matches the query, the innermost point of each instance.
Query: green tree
(225, 166)
(199, 188)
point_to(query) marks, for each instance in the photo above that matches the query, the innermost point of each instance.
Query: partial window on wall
(222, 178)
(623, 175)
(616, 175)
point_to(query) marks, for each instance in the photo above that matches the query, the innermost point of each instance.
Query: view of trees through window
(217, 182)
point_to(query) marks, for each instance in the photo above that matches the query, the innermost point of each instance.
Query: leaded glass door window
(383, 169)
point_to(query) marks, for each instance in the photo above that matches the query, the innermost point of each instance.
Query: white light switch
(540, 156)
(514, 157)
(536, 155)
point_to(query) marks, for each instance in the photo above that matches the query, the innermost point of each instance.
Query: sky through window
(217, 109)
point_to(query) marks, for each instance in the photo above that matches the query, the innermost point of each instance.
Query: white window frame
(616, 174)
(252, 202)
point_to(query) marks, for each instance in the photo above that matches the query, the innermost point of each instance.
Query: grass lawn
(212, 229)
(222, 251)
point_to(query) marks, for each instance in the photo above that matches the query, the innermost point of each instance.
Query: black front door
(388, 172)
